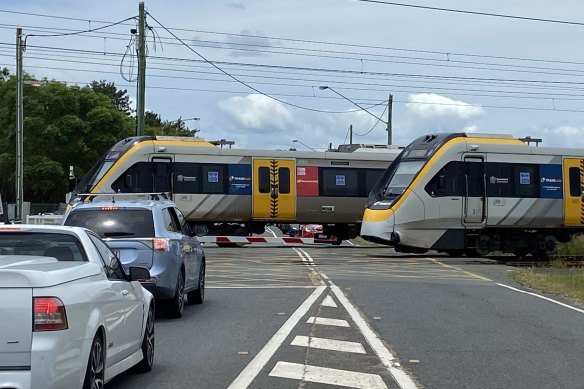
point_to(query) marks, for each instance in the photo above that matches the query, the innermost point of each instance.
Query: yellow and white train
(477, 193)
(239, 191)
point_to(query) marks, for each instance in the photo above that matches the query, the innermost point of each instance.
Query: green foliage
(575, 247)
(63, 125)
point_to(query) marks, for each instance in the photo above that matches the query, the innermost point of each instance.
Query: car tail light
(160, 244)
(49, 314)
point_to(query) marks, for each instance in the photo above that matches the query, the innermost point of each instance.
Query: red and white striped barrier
(260, 239)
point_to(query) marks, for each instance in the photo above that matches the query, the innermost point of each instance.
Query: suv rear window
(117, 223)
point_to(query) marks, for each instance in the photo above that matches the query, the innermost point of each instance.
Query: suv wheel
(176, 305)
(198, 296)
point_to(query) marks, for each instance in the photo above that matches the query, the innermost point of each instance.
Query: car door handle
(125, 293)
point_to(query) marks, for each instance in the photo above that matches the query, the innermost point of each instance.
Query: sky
(446, 72)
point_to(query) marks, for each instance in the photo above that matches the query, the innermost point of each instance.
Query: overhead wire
(233, 77)
(517, 17)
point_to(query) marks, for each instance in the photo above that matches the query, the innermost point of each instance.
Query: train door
(474, 200)
(573, 201)
(162, 174)
(274, 189)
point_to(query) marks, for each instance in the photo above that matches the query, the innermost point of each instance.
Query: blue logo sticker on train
(524, 178)
(213, 176)
(240, 179)
(551, 184)
(340, 180)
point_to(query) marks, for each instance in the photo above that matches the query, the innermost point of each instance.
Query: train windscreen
(403, 175)
(105, 162)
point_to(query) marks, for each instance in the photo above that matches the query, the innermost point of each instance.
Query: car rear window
(114, 223)
(63, 247)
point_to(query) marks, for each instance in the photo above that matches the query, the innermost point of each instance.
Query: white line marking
(263, 357)
(401, 377)
(328, 322)
(543, 297)
(329, 344)
(322, 375)
(328, 302)
(272, 232)
(349, 242)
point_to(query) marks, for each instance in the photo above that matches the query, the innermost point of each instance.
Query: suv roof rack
(89, 197)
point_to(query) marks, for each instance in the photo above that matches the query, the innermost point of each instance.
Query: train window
(475, 176)
(162, 176)
(371, 177)
(284, 180)
(339, 182)
(264, 179)
(575, 184)
(447, 182)
(526, 181)
(137, 179)
(213, 178)
(499, 180)
(186, 178)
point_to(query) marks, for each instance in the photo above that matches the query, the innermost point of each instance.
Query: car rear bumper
(15, 379)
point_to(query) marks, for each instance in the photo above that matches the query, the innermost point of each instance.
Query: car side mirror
(200, 230)
(138, 273)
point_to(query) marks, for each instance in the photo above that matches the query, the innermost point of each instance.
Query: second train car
(239, 191)
(475, 194)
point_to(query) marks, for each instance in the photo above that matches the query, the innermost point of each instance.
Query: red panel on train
(307, 181)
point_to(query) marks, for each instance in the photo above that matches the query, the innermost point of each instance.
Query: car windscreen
(63, 247)
(114, 223)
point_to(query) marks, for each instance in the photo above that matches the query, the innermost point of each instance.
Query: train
(475, 194)
(229, 191)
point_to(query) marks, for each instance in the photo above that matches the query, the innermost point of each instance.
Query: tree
(63, 125)
(119, 97)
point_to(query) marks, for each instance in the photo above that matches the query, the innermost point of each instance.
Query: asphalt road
(397, 320)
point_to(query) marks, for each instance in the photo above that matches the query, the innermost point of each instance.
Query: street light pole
(297, 141)
(19, 178)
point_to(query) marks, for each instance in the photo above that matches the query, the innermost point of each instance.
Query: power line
(328, 70)
(231, 76)
(474, 12)
(78, 32)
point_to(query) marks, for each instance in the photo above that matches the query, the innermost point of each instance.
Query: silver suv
(151, 233)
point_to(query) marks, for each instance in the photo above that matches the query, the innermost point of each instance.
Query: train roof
(184, 145)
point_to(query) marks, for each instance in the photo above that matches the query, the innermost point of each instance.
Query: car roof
(41, 228)
(124, 203)
(138, 200)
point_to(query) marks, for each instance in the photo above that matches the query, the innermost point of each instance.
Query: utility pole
(19, 126)
(141, 70)
(350, 134)
(389, 114)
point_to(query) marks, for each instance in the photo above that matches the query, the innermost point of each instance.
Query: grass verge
(558, 278)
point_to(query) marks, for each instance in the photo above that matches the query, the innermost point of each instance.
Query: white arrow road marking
(328, 302)
(323, 375)
(328, 322)
(329, 344)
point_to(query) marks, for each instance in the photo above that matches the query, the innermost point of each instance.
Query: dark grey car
(152, 234)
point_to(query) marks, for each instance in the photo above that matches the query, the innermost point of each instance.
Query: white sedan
(69, 315)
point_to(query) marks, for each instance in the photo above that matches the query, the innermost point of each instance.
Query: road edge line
(543, 298)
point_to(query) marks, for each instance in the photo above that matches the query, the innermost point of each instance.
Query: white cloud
(257, 111)
(562, 136)
(431, 105)
(471, 128)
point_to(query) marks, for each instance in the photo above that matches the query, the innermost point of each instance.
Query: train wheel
(484, 245)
